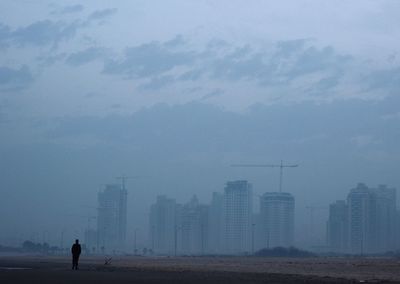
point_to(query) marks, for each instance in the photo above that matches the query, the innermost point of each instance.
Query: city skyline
(91, 90)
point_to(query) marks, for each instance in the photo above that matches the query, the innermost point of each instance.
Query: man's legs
(74, 262)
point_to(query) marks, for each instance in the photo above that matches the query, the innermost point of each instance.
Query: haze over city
(173, 93)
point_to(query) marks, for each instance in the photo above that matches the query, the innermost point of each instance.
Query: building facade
(215, 224)
(112, 218)
(237, 217)
(366, 224)
(337, 227)
(164, 226)
(277, 219)
(193, 228)
(361, 211)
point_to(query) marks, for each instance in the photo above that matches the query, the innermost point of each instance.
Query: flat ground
(45, 269)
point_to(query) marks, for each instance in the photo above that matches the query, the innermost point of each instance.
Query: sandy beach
(44, 269)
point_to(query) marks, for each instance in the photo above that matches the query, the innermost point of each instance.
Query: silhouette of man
(76, 252)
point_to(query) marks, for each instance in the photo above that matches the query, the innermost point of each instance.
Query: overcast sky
(176, 91)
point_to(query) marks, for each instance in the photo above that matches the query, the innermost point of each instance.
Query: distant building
(397, 230)
(361, 211)
(164, 226)
(215, 224)
(112, 218)
(91, 241)
(237, 217)
(337, 227)
(277, 219)
(386, 217)
(193, 228)
(372, 219)
(258, 235)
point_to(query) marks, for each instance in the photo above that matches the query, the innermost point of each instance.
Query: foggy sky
(175, 91)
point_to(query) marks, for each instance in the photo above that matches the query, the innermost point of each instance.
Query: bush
(284, 252)
(29, 246)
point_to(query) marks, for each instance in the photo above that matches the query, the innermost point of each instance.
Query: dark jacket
(76, 249)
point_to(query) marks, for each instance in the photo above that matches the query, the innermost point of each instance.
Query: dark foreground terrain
(28, 269)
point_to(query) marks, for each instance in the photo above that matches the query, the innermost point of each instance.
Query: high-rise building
(112, 218)
(337, 227)
(360, 204)
(193, 228)
(397, 230)
(91, 240)
(237, 217)
(372, 219)
(277, 219)
(164, 226)
(257, 234)
(385, 218)
(215, 224)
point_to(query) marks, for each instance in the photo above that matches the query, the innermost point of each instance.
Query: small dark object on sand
(107, 261)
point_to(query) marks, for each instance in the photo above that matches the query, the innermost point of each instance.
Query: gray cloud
(387, 80)
(38, 33)
(179, 40)
(325, 85)
(147, 60)
(312, 60)
(44, 32)
(102, 14)
(157, 83)
(86, 56)
(4, 35)
(288, 47)
(69, 9)
(289, 61)
(192, 75)
(72, 9)
(242, 64)
(279, 64)
(212, 94)
(50, 59)
(13, 79)
(198, 127)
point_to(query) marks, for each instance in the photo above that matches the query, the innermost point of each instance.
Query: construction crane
(123, 179)
(280, 166)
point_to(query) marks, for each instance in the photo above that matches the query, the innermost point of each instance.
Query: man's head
(77, 241)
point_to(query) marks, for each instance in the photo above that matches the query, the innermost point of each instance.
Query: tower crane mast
(123, 179)
(281, 166)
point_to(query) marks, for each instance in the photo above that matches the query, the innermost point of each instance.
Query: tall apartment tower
(215, 223)
(360, 204)
(193, 228)
(372, 219)
(337, 227)
(112, 218)
(385, 218)
(277, 219)
(237, 217)
(163, 225)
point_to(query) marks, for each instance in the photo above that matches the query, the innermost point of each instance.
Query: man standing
(76, 251)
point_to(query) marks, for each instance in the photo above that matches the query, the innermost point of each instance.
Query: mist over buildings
(175, 93)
